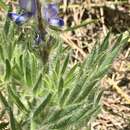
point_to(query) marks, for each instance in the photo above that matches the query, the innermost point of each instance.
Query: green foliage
(64, 97)
(3, 5)
(3, 125)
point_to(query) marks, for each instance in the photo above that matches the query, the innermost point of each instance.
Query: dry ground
(115, 15)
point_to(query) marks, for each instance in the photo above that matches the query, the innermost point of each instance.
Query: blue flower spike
(28, 5)
(50, 14)
(50, 11)
(58, 22)
(19, 19)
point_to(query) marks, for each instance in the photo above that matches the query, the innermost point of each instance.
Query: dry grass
(111, 14)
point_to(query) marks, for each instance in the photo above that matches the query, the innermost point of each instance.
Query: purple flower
(19, 19)
(28, 5)
(50, 14)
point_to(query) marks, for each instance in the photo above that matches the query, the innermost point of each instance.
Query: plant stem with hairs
(44, 50)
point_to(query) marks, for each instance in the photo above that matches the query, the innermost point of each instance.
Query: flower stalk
(44, 54)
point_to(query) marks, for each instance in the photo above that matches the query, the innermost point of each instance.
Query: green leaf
(81, 112)
(2, 114)
(21, 62)
(4, 101)
(37, 84)
(61, 123)
(1, 53)
(96, 110)
(41, 107)
(12, 120)
(28, 76)
(69, 119)
(8, 108)
(17, 101)
(57, 68)
(33, 125)
(3, 125)
(92, 113)
(53, 116)
(85, 90)
(71, 74)
(3, 5)
(59, 113)
(69, 109)
(98, 97)
(7, 23)
(65, 65)
(118, 41)
(8, 69)
(48, 81)
(64, 96)
(60, 87)
(84, 23)
(73, 94)
(34, 66)
(90, 59)
(104, 46)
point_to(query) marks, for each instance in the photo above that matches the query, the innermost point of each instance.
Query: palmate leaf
(71, 118)
(64, 97)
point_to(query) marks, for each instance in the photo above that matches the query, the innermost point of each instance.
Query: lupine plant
(39, 88)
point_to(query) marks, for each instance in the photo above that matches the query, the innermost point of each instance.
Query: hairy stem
(44, 54)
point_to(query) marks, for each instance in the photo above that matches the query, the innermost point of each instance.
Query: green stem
(84, 23)
(44, 54)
